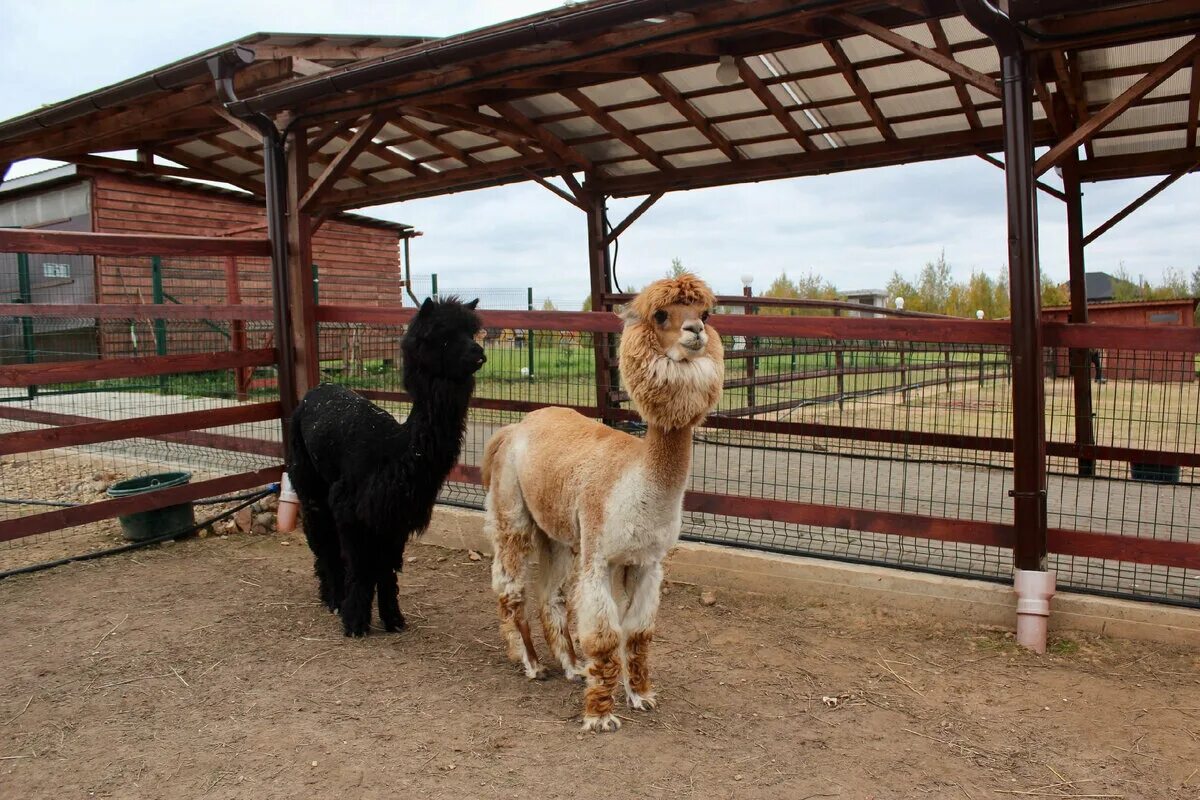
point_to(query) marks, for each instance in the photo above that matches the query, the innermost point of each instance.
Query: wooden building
(1133, 364)
(356, 258)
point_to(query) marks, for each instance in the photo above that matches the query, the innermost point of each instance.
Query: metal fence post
(160, 325)
(529, 334)
(25, 295)
(316, 285)
(433, 292)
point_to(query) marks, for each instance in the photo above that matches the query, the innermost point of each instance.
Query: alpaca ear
(471, 305)
(426, 307)
(627, 314)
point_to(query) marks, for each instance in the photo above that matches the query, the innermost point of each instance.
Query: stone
(259, 530)
(266, 519)
(244, 519)
(708, 598)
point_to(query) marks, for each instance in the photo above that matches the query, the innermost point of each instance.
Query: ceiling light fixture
(727, 71)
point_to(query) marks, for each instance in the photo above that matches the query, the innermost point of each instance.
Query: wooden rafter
(209, 169)
(1114, 109)
(342, 161)
(1194, 104)
(642, 208)
(1071, 85)
(960, 86)
(573, 199)
(433, 140)
(767, 98)
(689, 112)
(320, 52)
(240, 124)
(326, 133)
(1138, 203)
(139, 166)
(1048, 189)
(613, 126)
(921, 52)
(565, 156)
(860, 90)
(231, 149)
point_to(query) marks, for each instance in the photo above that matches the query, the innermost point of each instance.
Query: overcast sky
(854, 229)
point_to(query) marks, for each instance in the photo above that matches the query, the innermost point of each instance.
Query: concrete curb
(935, 596)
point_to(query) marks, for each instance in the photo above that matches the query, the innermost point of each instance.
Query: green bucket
(145, 525)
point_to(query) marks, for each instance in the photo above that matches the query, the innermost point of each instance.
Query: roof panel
(830, 87)
(496, 154)
(930, 127)
(415, 149)
(750, 128)
(694, 78)
(368, 160)
(666, 140)
(629, 168)
(200, 149)
(918, 33)
(860, 136)
(394, 174)
(865, 48)
(698, 159)
(1129, 55)
(895, 76)
(238, 164)
(1105, 90)
(465, 139)
(660, 114)
(958, 30)
(542, 105)
(783, 147)
(600, 151)
(1157, 114)
(918, 103)
(1141, 143)
(607, 94)
(804, 59)
(737, 102)
(575, 128)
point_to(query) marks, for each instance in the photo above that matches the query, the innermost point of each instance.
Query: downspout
(1034, 585)
(275, 184)
(408, 273)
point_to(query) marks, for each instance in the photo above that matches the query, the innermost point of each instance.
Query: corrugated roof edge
(67, 172)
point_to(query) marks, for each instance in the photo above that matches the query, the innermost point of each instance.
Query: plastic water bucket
(144, 525)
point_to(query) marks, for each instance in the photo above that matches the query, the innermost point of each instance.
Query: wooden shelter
(619, 98)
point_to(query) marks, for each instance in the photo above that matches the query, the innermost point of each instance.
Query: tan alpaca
(560, 484)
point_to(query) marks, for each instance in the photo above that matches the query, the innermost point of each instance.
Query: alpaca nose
(694, 326)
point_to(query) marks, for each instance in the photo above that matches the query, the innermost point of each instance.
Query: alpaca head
(672, 362)
(440, 342)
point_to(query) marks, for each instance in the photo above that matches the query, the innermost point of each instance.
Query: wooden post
(160, 325)
(839, 360)
(237, 328)
(299, 267)
(1078, 357)
(600, 271)
(529, 336)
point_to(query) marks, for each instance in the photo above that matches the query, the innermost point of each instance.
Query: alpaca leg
(555, 561)
(360, 570)
(599, 632)
(321, 532)
(389, 600)
(512, 538)
(642, 586)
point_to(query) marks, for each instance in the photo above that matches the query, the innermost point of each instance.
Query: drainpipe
(275, 183)
(1033, 583)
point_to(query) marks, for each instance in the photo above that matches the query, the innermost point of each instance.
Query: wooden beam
(305, 343)
(1146, 196)
(18, 240)
(566, 156)
(1045, 187)
(342, 161)
(146, 366)
(320, 52)
(1114, 109)
(1072, 86)
(565, 195)
(127, 311)
(209, 169)
(642, 208)
(140, 167)
(240, 124)
(768, 99)
(433, 140)
(613, 126)
(75, 434)
(91, 512)
(327, 132)
(689, 112)
(920, 52)
(1193, 106)
(960, 86)
(860, 90)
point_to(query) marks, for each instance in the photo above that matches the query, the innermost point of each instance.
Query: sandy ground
(206, 669)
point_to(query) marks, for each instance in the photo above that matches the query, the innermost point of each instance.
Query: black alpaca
(366, 482)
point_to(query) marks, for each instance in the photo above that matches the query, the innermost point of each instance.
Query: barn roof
(646, 97)
(67, 173)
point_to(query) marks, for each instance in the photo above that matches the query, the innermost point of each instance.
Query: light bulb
(900, 303)
(747, 280)
(727, 71)
(979, 314)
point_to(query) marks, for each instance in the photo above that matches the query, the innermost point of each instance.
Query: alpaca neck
(668, 456)
(438, 420)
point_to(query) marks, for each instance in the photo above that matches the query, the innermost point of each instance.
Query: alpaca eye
(660, 317)
(704, 317)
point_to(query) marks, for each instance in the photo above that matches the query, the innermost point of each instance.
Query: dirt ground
(206, 669)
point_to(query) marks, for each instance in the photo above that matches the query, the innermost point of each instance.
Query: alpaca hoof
(642, 702)
(392, 626)
(605, 723)
(535, 672)
(574, 673)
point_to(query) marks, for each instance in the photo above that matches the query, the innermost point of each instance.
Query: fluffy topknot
(686, 290)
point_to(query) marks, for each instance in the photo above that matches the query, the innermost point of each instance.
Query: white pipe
(1034, 589)
(285, 517)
